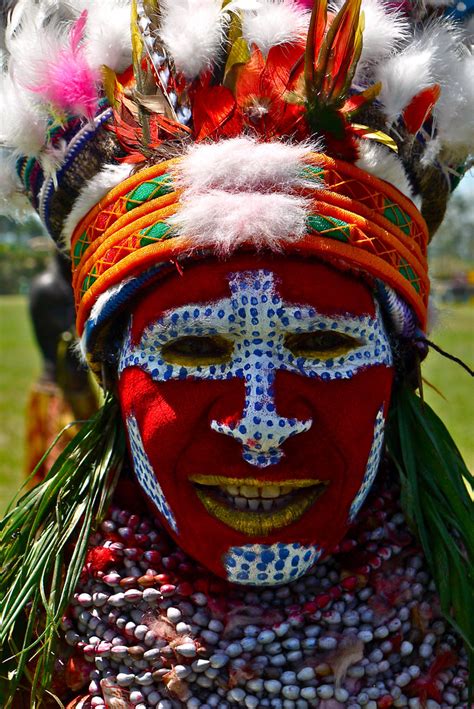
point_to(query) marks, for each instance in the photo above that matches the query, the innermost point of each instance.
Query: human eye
(198, 350)
(320, 345)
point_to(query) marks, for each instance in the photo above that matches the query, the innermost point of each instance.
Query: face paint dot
(274, 563)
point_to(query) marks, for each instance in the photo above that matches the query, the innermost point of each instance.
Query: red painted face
(254, 394)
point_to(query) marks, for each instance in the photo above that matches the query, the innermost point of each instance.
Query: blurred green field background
(20, 365)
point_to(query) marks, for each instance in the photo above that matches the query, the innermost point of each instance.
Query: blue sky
(467, 184)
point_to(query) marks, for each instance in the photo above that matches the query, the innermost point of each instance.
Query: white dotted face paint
(269, 564)
(285, 397)
(372, 466)
(257, 324)
(144, 472)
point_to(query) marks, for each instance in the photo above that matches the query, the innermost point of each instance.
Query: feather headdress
(350, 73)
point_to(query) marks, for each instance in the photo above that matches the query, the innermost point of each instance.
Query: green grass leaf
(39, 566)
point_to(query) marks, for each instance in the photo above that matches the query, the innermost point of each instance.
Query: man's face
(254, 394)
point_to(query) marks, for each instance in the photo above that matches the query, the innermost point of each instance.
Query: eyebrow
(215, 318)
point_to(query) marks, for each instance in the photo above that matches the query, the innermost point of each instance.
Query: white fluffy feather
(23, 127)
(403, 76)
(242, 163)
(386, 29)
(108, 38)
(223, 221)
(91, 194)
(454, 113)
(13, 201)
(33, 38)
(274, 22)
(430, 58)
(384, 164)
(193, 33)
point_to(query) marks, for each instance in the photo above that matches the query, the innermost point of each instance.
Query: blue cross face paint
(258, 404)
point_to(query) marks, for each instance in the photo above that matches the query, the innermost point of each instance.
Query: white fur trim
(91, 194)
(384, 164)
(274, 22)
(193, 33)
(223, 221)
(242, 164)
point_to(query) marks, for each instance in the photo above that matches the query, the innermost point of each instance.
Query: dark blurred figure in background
(64, 391)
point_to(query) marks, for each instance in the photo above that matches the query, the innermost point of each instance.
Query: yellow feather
(377, 135)
(110, 84)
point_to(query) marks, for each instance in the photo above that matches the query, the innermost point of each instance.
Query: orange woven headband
(356, 219)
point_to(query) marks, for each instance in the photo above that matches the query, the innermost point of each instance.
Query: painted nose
(261, 431)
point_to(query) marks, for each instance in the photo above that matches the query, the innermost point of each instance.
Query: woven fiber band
(355, 220)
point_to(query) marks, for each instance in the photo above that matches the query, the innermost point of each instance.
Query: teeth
(248, 491)
(252, 498)
(270, 491)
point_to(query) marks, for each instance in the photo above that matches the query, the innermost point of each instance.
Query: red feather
(342, 47)
(214, 112)
(316, 31)
(420, 107)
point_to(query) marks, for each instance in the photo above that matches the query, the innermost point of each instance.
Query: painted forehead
(300, 282)
(257, 323)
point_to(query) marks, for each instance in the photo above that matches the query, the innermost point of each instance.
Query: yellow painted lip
(223, 481)
(260, 523)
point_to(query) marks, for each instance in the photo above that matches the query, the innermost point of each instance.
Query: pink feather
(68, 81)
